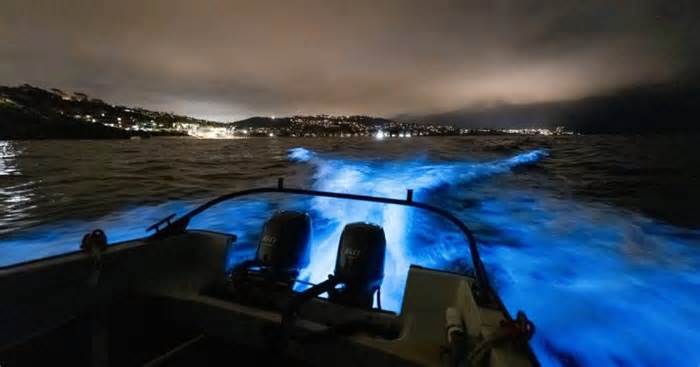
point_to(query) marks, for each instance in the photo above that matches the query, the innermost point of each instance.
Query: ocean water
(596, 238)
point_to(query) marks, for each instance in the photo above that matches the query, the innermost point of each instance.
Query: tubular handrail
(485, 292)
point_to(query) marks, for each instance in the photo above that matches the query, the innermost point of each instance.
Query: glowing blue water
(604, 286)
(386, 179)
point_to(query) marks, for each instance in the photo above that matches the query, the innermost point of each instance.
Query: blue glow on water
(300, 154)
(387, 179)
(59, 238)
(604, 286)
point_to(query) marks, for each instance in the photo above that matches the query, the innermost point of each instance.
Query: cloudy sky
(231, 59)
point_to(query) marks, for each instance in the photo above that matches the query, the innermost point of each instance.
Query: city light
(322, 125)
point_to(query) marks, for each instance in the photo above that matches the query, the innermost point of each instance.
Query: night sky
(227, 60)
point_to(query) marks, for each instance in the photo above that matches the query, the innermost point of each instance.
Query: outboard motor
(284, 244)
(283, 249)
(359, 265)
(359, 271)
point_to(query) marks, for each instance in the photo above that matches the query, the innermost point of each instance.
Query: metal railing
(180, 224)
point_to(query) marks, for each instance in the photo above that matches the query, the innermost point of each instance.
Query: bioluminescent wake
(387, 179)
(129, 224)
(604, 286)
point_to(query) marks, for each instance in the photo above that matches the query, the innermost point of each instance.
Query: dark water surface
(597, 238)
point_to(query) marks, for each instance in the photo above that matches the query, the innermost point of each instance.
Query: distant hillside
(654, 108)
(21, 124)
(285, 122)
(28, 112)
(266, 122)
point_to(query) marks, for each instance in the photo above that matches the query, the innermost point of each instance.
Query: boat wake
(387, 179)
(603, 285)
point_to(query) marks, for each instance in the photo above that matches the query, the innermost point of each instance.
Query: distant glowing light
(379, 135)
(272, 135)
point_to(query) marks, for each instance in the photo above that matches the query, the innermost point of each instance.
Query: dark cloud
(229, 59)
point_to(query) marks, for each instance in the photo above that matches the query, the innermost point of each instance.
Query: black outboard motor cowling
(359, 264)
(284, 245)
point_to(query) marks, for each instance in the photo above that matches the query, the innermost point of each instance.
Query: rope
(519, 330)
